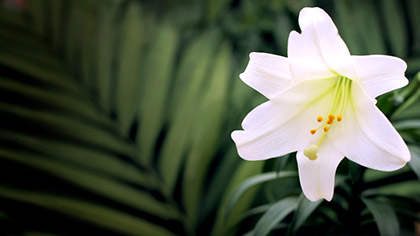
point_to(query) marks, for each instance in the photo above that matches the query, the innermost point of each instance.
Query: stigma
(311, 152)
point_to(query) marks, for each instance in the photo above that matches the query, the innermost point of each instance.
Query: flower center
(342, 94)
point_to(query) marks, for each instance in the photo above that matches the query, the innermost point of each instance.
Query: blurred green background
(116, 118)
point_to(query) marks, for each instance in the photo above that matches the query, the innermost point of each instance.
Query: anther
(326, 128)
(329, 121)
(331, 116)
(310, 152)
(319, 119)
(339, 118)
(313, 131)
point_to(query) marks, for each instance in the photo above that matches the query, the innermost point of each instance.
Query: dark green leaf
(303, 211)
(84, 157)
(223, 224)
(370, 33)
(95, 183)
(106, 51)
(191, 75)
(157, 74)
(275, 214)
(407, 124)
(415, 159)
(355, 171)
(349, 31)
(254, 181)
(132, 37)
(385, 217)
(86, 211)
(211, 110)
(395, 23)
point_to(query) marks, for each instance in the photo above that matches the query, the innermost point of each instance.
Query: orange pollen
(326, 125)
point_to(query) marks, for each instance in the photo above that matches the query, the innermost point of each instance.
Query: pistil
(342, 93)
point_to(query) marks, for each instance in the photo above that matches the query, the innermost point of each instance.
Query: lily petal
(282, 125)
(366, 136)
(317, 176)
(379, 74)
(267, 73)
(319, 51)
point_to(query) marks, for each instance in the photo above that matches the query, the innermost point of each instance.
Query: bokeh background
(116, 118)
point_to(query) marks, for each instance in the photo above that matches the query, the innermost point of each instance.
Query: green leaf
(281, 32)
(412, 6)
(275, 214)
(192, 73)
(68, 128)
(303, 211)
(370, 33)
(132, 36)
(282, 162)
(155, 92)
(299, 4)
(355, 171)
(349, 31)
(256, 211)
(385, 217)
(41, 74)
(76, 107)
(86, 211)
(409, 108)
(413, 63)
(213, 191)
(254, 181)
(407, 124)
(215, 8)
(209, 127)
(410, 96)
(415, 159)
(90, 15)
(81, 156)
(106, 51)
(100, 185)
(224, 224)
(396, 26)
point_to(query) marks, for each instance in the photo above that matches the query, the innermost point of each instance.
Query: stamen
(310, 152)
(341, 96)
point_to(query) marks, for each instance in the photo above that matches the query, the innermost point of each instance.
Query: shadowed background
(116, 118)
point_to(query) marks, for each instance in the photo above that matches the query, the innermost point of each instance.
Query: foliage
(116, 119)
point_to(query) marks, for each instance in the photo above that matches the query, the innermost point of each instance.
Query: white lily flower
(322, 105)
